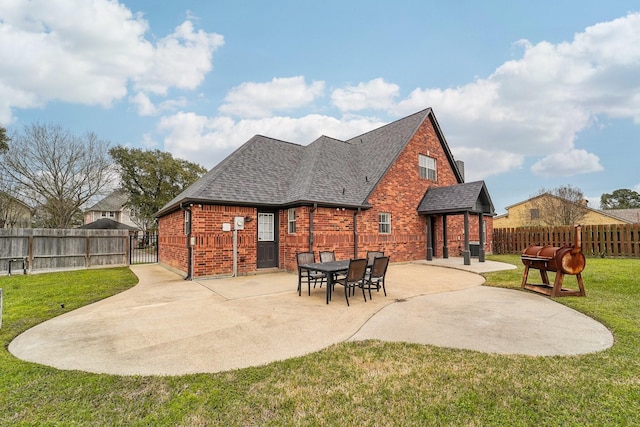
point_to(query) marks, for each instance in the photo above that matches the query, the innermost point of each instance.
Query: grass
(361, 383)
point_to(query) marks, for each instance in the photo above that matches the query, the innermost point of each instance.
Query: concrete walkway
(168, 326)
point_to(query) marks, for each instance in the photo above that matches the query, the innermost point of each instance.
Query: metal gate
(143, 248)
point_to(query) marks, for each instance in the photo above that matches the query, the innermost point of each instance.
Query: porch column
(445, 244)
(429, 239)
(482, 237)
(466, 253)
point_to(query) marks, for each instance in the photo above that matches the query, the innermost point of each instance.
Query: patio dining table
(330, 268)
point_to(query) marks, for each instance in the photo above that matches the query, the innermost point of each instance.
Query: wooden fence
(617, 240)
(39, 249)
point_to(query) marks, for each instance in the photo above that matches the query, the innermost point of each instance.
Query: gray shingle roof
(467, 197)
(630, 215)
(112, 203)
(265, 171)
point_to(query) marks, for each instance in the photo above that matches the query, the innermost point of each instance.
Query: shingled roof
(328, 172)
(470, 197)
(113, 202)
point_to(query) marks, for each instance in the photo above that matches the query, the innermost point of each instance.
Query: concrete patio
(168, 326)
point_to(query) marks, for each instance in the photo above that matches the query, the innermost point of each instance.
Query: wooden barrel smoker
(567, 259)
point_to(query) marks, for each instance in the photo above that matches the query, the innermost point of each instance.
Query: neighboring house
(527, 213)
(113, 207)
(14, 213)
(396, 188)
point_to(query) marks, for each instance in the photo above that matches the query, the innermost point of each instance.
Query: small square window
(292, 220)
(535, 213)
(384, 223)
(427, 167)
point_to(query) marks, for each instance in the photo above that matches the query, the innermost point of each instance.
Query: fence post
(30, 253)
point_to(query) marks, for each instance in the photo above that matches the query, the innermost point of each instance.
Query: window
(103, 214)
(265, 227)
(187, 222)
(535, 213)
(427, 167)
(384, 223)
(292, 220)
(112, 214)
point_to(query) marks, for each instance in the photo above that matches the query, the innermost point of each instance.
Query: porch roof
(471, 197)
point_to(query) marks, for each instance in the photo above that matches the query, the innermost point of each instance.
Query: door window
(265, 227)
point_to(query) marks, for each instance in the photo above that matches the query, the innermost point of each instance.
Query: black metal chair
(354, 278)
(372, 255)
(374, 279)
(304, 274)
(326, 256)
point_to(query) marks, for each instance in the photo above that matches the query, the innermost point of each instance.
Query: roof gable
(454, 199)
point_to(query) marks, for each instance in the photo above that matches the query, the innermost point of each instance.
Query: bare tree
(563, 205)
(56, 170)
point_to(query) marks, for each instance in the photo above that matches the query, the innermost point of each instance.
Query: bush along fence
(32, 250)
(615, 240)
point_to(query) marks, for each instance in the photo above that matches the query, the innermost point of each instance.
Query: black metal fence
(143, 248)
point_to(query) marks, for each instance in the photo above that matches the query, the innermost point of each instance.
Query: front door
(267, 239)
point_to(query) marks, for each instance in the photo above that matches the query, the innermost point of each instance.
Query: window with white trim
(384, 223)
(427, 167)
(292, 220)
(265, 227)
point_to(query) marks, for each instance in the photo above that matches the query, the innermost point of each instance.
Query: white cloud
(374, 94)
(181, 60)
(145, 107)
(536, 105)
(88, 52)
(253, 99)
(569, 163)
(480, 163)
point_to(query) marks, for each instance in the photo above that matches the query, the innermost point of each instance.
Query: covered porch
(466, 200)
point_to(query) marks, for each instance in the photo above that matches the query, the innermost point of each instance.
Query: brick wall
(172, 242)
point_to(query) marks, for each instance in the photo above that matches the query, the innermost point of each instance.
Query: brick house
(396, 188)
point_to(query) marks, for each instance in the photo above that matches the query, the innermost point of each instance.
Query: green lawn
(361, 383)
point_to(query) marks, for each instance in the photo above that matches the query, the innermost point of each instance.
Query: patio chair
(371, 255)
(354, 278)
(307, 275)
(326, 256)
(374, 279)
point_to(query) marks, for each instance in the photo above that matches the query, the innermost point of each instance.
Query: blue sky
(529, 95)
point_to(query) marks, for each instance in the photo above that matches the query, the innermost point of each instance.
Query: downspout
(355, 233)
(189, 275)
(311, 211)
